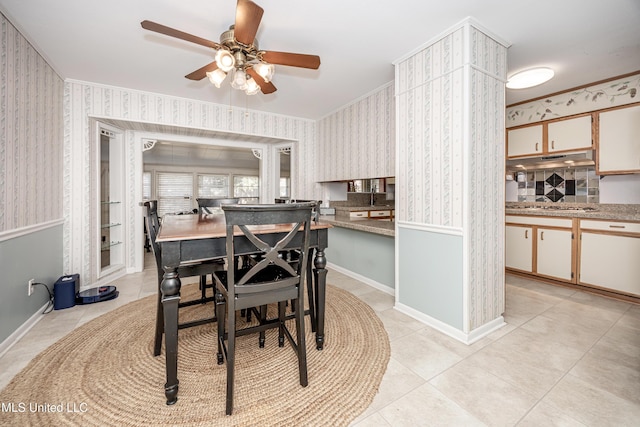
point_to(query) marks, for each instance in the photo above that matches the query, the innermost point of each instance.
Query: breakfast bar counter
(375, 226)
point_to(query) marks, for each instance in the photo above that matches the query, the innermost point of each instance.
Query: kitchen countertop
(376, 226)
(616, 212)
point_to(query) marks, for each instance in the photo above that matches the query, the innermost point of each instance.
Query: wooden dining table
(186, 239)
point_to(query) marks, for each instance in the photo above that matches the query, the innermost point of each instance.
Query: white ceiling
(357, 40)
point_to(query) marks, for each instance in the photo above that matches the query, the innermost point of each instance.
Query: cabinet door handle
(537, 146)
(553, 145)
(542, 235)
(526, 234)
(617, 226)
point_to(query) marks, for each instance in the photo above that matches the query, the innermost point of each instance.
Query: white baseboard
(22, 330)
(465, 338)
(379, 286)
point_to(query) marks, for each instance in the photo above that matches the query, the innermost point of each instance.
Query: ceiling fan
(238, 53)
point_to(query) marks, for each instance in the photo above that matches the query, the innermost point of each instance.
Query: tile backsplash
(570, 185)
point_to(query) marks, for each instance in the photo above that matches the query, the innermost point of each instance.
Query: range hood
(572, 160)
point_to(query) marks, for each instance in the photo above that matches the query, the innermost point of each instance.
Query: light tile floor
(565, 358)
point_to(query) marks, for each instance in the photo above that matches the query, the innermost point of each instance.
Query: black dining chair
(200, 269)
(293, 255)
(270, 280)
(315, 213)
(206, 206)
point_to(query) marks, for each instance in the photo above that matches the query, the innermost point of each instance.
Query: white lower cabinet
(606, 254)
(555, 253)
(380, 214)
(359, 215)
(519, 248)
(611, 261)
(541, 246)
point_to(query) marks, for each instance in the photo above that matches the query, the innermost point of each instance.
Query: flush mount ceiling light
(530, 78)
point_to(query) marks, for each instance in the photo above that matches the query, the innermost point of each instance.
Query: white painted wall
(623, 189)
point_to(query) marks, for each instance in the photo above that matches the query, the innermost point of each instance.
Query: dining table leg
(170, 288)
(320, 275)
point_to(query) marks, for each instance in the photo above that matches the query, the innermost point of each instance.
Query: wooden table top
(191, 227)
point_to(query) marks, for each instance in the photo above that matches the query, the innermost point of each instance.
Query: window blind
(212, 186)
(175, 191)
(247, 188)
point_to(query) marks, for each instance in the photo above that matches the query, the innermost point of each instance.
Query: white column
(449, 182)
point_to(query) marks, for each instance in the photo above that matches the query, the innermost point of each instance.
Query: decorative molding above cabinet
(615, 92)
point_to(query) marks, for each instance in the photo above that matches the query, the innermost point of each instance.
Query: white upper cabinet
(524, 141)
(619, 141)
(556, 136)
(570, 135)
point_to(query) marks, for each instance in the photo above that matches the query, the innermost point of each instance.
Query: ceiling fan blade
(265, 87)
(292, 59)
(248, 17)
(201, 73)
(162, 29)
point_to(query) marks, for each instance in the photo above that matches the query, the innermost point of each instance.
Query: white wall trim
(455, 231)
(465, 338)
(22, 330)
(377, 285)
(23, 231)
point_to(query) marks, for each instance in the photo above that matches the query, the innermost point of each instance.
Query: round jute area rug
(104, 373)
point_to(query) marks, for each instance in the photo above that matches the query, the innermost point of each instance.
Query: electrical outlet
(31, 281)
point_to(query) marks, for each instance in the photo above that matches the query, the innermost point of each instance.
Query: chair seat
(269, 276)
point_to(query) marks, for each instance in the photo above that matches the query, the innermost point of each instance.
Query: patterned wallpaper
(614, 93)
(30, 135)
(450, 115)
(358, 141)
(83, 101)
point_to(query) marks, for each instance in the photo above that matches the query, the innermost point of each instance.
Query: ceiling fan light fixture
(252, 87)
(216, 77)
(264, 70)
(225, 60)
(239, 80)
(530, 78)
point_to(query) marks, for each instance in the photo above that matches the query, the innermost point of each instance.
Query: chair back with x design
(268, 231)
